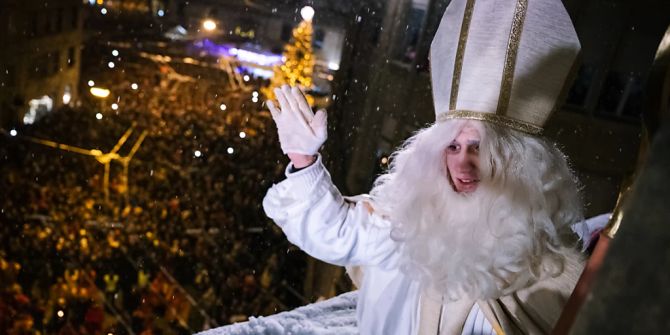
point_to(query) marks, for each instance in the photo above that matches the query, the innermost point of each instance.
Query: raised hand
(301, 132)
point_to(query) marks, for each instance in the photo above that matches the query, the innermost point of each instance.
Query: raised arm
(307, 206)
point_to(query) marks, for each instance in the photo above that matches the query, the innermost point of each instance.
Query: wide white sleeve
(315, 217)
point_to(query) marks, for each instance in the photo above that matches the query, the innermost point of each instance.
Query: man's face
(463, 160)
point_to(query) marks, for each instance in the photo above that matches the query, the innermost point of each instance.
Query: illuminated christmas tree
(298, 59)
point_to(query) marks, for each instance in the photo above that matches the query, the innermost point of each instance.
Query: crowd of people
(184, 248)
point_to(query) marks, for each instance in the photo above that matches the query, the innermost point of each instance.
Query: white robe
(346, 232)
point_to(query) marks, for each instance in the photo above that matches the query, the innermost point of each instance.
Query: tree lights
(298, 58)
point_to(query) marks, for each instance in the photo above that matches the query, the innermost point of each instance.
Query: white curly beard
(500, 238)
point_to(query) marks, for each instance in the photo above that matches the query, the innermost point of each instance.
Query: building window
(54, 21)
(71, 57)
(409, 31)
(621, 96)
(34, 24)
(67, 94)
(59, 20)
(54, 62)
(46, 20)
(580, 87)
(74, 18)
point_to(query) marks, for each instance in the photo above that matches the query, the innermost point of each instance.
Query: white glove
(300, 130)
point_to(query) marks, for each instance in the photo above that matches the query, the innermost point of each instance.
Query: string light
(98, 116)
(223, 107)
(243, 134)
(134, 86)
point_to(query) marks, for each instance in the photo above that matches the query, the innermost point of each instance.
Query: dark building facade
(40, 57)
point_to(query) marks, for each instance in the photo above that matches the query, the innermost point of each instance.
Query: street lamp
(209, 25)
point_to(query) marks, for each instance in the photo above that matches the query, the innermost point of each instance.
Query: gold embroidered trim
(510, 57)
(501, 120)
(460, 51)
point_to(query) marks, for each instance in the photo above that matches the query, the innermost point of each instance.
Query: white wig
(504, 236)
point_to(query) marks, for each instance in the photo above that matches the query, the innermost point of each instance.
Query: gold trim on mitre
(460, 52)
(500, 120)
(510, 56)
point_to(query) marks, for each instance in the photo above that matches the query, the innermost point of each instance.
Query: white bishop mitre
(502, 61)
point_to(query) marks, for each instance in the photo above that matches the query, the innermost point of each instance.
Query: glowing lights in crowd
(209, 25)
(110, 65)
(223, 107)
(333, 66)
(385, 160)
(99, 92)
(98, 116)
(91, 83)
(115, 106)
(307, 13)
(197, 153)
(161, 13)
(13, 132)
(246, 77)
(134, 86)
(243, 134)
(254, 99)
(254, 96)
(66, 98)
(60, 313)
(103, 11)
(115, 53)
(230, 150)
